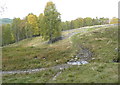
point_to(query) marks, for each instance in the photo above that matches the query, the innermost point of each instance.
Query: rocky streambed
(83, 56)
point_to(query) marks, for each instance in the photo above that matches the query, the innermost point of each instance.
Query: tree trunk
(50, 31)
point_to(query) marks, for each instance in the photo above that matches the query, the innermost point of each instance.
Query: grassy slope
(102, 42)
(5, 21)
(21, 57)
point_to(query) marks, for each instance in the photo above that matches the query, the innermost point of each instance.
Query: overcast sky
(69, 9)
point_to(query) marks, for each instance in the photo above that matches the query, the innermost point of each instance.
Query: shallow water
(77, 62)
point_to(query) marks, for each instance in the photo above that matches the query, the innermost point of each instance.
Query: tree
(16, 28)
(79, 22)
(67, 25)
(114, 20)
(95, 21)
(103, 20)
(41, 24)
(72, 24)
(7, 37)
(62, 26)
(88, 21)
(32, 21)
(22, 29)
(76, 23)
(51, 22)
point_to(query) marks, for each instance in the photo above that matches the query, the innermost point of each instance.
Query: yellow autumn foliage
(32, 19)
(114, 20)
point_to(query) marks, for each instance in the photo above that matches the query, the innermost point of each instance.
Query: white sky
(69, 9)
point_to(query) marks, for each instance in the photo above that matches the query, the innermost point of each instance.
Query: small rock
(61, 68)
(84, 62)
(93, 58)
(116, 49)
(43, 57)
(56, 60)
(35, 57)
(76, 58)
(71, 59)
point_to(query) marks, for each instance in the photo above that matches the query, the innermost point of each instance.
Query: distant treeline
(22, 29)
(47, 25)
(81, 22)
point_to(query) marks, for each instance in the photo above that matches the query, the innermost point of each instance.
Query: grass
(39, 77)
(36, 41)
(17, 58)
(102, 42)
(90, 73)
(22, 55)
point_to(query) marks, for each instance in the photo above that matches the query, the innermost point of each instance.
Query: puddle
(77, 62)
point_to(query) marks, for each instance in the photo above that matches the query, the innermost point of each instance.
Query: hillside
(49, 62)
(5, 21)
